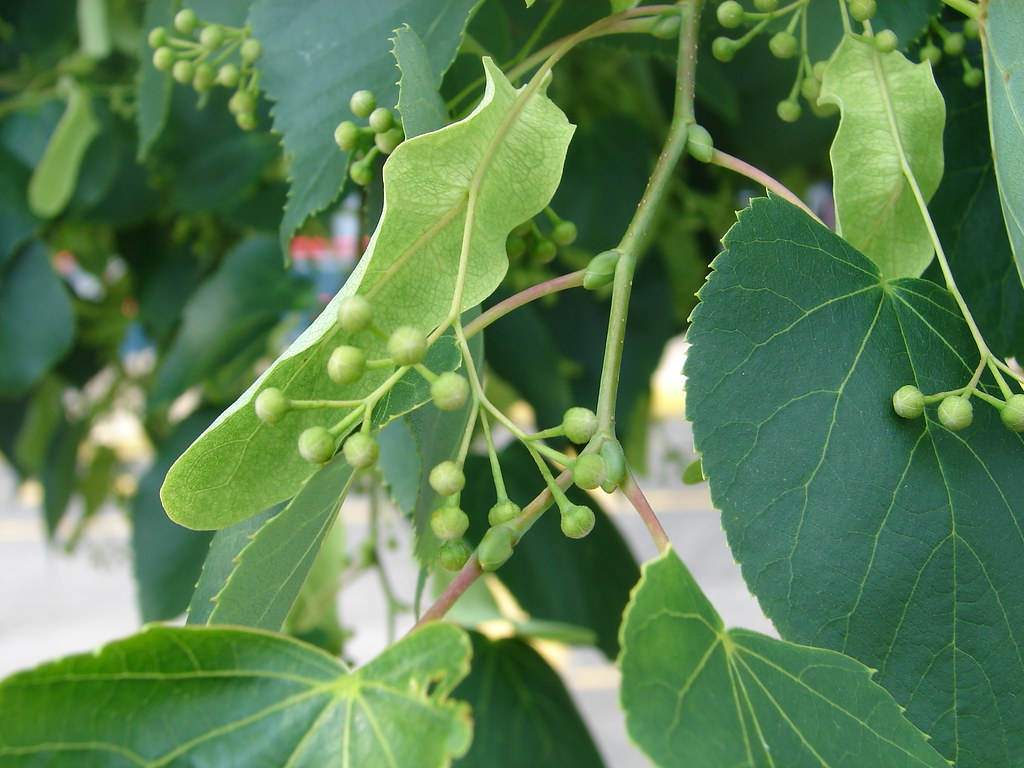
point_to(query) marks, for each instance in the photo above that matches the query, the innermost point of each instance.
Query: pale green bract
(699, 696)
(507, 158)
(891, 110)
(1003, 41)
(182, 696)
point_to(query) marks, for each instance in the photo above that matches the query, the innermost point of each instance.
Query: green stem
(534, 292)
(492, 455)
(966, 7)
(641, 229)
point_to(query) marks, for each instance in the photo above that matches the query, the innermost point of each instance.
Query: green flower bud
(515, 245)
(788, 110)
(579, 425)
(241, 101)
(614, 461)
(973, 77)
(381, 120)
(588, 472)
(355, 313)
(361, 173)
(453, 555)
(783, 45)
(730, 14)
(362, 103)
(271, 405)
(495, 547)
(886, 41)
(862, 10)
(971, 30)
(346, 135)
(449, 523)
(504, 511)
(699, 143)
(316, 445)
(388, 141)
(407, 345)
(212, 37)
(183, 71)
(564, 233)
(157, 37)
(545, 250)
(724, 48)
(251, 51)
(204, 78)
(577, 521)
(346, 364)
(600, 270)
(185, 21)
(449, 391)
(666, 26)
(931, 53)
(956, 413)
(953, 45)
(228, 75)
(908, 402)
(246, 120)
(163, 59)
(361, 450)
(1012, 414)
(447, 479)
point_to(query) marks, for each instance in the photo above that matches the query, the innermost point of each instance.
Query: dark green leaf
(60, 473)
(895, 541)
(345, 49)
(154, 92)
(253, 698)
(419, 101)
(36, 322)
(699, 696)
(522, 713)
(17, 222)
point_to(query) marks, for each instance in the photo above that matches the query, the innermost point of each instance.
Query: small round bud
(886, 41)
(724, 48)
(973, 77)
(579, 425)
(818, 70)
(515, 246)
(407, 345)
(1012, 414)
(246, 120)
(495, 547)
(360, 450)
(730, 14)
(316, 445)
(449, 523)
(355, 313)
(185, 21)
(588, 472)
(157, 37)
(346, 364)
(577, 521)
(204, 78)
(788, 111)
(388, 141)
(766, 6)
(183, 71)
(699, 143)
(504, 511)
(564, 233)
(862, 10)
(271, 405)
(956, 413)
(381, 120)
(666, 26)
(971, 30)
(810, 89)
(447, 479)
(449, 391)
(545, 250)
(931, 53)
(600, 270)
(212, 37)
(228, 75)
(954, 44)
(783, 45)
(361, 173)
(241, 101)
(614, 461)
(362, 103)
(453, 555)
(908, 402)
(163, 59)
(346, 135)
(251, 51)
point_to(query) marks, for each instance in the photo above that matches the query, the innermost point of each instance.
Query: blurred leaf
(699, 696)
(891, 111)
(167, 558)
(907, 18)
(345, 49)
(36, 322)
(426, 216)
(44, 415)
(17, 222)
(53, 180)
(594, 575)
(259, 698)
(419, 102)
(60, 473)
(522, 713)
(240, 303)
(1004, 59)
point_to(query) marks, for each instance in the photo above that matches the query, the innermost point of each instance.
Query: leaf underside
(895, 541)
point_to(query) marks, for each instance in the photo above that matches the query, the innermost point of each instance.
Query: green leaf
(253, 699)
(419, 101)
(1003, 44)
(968, 217)
(522, 713)
(895, 541)
(53, 180)
(239, 304)
(891, 111)
(408, 272)
(270, 570)
(698, 695)
(168, 558)
(618, 6)
(314, 616)
(94, 28)
(17, 222)
(345, 48)
(594, 575)
(153, 97)
(36, 321)
(907, 18)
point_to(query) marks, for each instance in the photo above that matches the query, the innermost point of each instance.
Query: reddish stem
(643, 508)
(556, 284)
